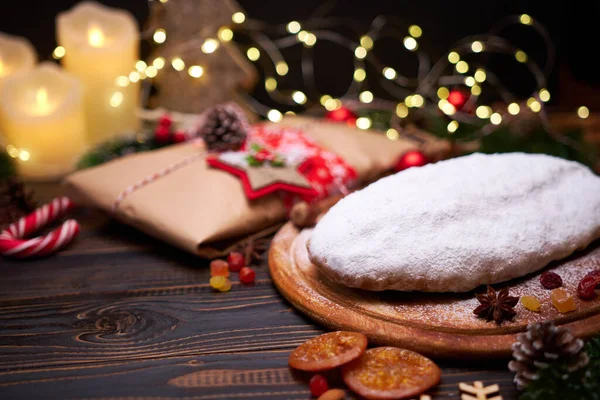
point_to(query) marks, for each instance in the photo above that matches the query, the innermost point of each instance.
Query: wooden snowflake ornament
(478, 392)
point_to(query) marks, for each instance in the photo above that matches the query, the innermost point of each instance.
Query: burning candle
(16, 54)
(102, 46)
(43, 121)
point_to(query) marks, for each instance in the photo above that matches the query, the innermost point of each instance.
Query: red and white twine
(13, 244)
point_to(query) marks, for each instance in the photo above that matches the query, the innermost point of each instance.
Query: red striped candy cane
(13, 244)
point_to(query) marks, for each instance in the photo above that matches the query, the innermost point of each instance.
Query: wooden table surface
(119, 315)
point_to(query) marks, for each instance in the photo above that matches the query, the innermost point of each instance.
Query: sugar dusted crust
(457, 224)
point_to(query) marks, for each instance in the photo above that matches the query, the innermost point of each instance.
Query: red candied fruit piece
(318, 385)
(236, 261)
(551, 280)
(587, 286)
(247, 275)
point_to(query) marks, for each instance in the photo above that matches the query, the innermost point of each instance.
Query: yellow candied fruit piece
(562, 300)
(226, 286)
(217, 282)
(531, 303)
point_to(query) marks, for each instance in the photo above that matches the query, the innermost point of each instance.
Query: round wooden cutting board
(441, 325)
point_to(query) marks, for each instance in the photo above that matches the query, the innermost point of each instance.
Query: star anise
(496, 306)
(253, 249)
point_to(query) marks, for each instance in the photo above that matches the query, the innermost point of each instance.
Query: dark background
(573, 26)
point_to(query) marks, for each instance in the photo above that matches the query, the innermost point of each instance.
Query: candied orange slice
(328, 351)
(390, 373)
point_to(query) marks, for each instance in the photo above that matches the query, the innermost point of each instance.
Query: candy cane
(13, 244)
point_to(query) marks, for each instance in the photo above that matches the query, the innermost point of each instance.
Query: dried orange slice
(390, 373)
(328, 351)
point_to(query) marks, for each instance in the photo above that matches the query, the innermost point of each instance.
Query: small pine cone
(224, 128)
(542, 344)
(15, 201)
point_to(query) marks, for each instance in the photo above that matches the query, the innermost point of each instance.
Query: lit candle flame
(95, 37)
(41, 97)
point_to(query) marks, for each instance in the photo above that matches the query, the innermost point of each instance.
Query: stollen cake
(458, 224)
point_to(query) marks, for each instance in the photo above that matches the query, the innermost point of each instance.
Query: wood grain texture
(435, 324)
(119, 315)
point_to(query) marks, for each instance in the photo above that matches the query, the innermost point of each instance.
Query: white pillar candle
(102, 47)
(43, 121)
(16, 54)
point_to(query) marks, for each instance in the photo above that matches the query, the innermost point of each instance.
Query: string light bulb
(392, 134)
(366, 97)
(151, 71)
(332, 104)
(270, 84)
(160, 35)
(417, 100)
(496, 119)
(513, 109)
(583, 112)
(415, 31)
(410, 43)
(401, 110)
(134, 76)
(477, 46)
(443, 92)
(535, 106)
(12, 151)
(446, 107)
(274, 115)
(525, 19)
(299, 97)
(210, 45)
(59, 53)
(178, 64)
(122, 81)
(389, 73)
(469, 81)
(158, 63)
(253, 54)
(195, 71)
(480, 75)
(360, 52)
(366, 42)
(225, 34)
(310, 40)
(476, 90)
(483, 112)
(521, 56)
(24, 155)
(282, 68)
(363, 123)
(462, 67)
(293, 27)
(324, 99)
(544, 95)
(238, 17)
(116, 99)
(452, 126)
(359, 75)
(141, 66)
(453, 57)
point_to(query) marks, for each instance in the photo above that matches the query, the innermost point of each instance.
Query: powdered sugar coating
(457, 224)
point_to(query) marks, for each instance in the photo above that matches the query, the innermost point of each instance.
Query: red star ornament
(259, 181)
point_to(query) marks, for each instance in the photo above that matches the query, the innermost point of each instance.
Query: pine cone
(224, 128)
(542, 344)
(15, 201)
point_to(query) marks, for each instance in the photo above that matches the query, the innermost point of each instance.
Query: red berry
(318, 385)
(247, 275)
(551, 280)
(412, 158)
(162, 134)
(179, 137)
(587, 286)
(236, 261)
(165, 121)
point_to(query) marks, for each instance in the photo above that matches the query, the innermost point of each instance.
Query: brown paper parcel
(204, 210)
